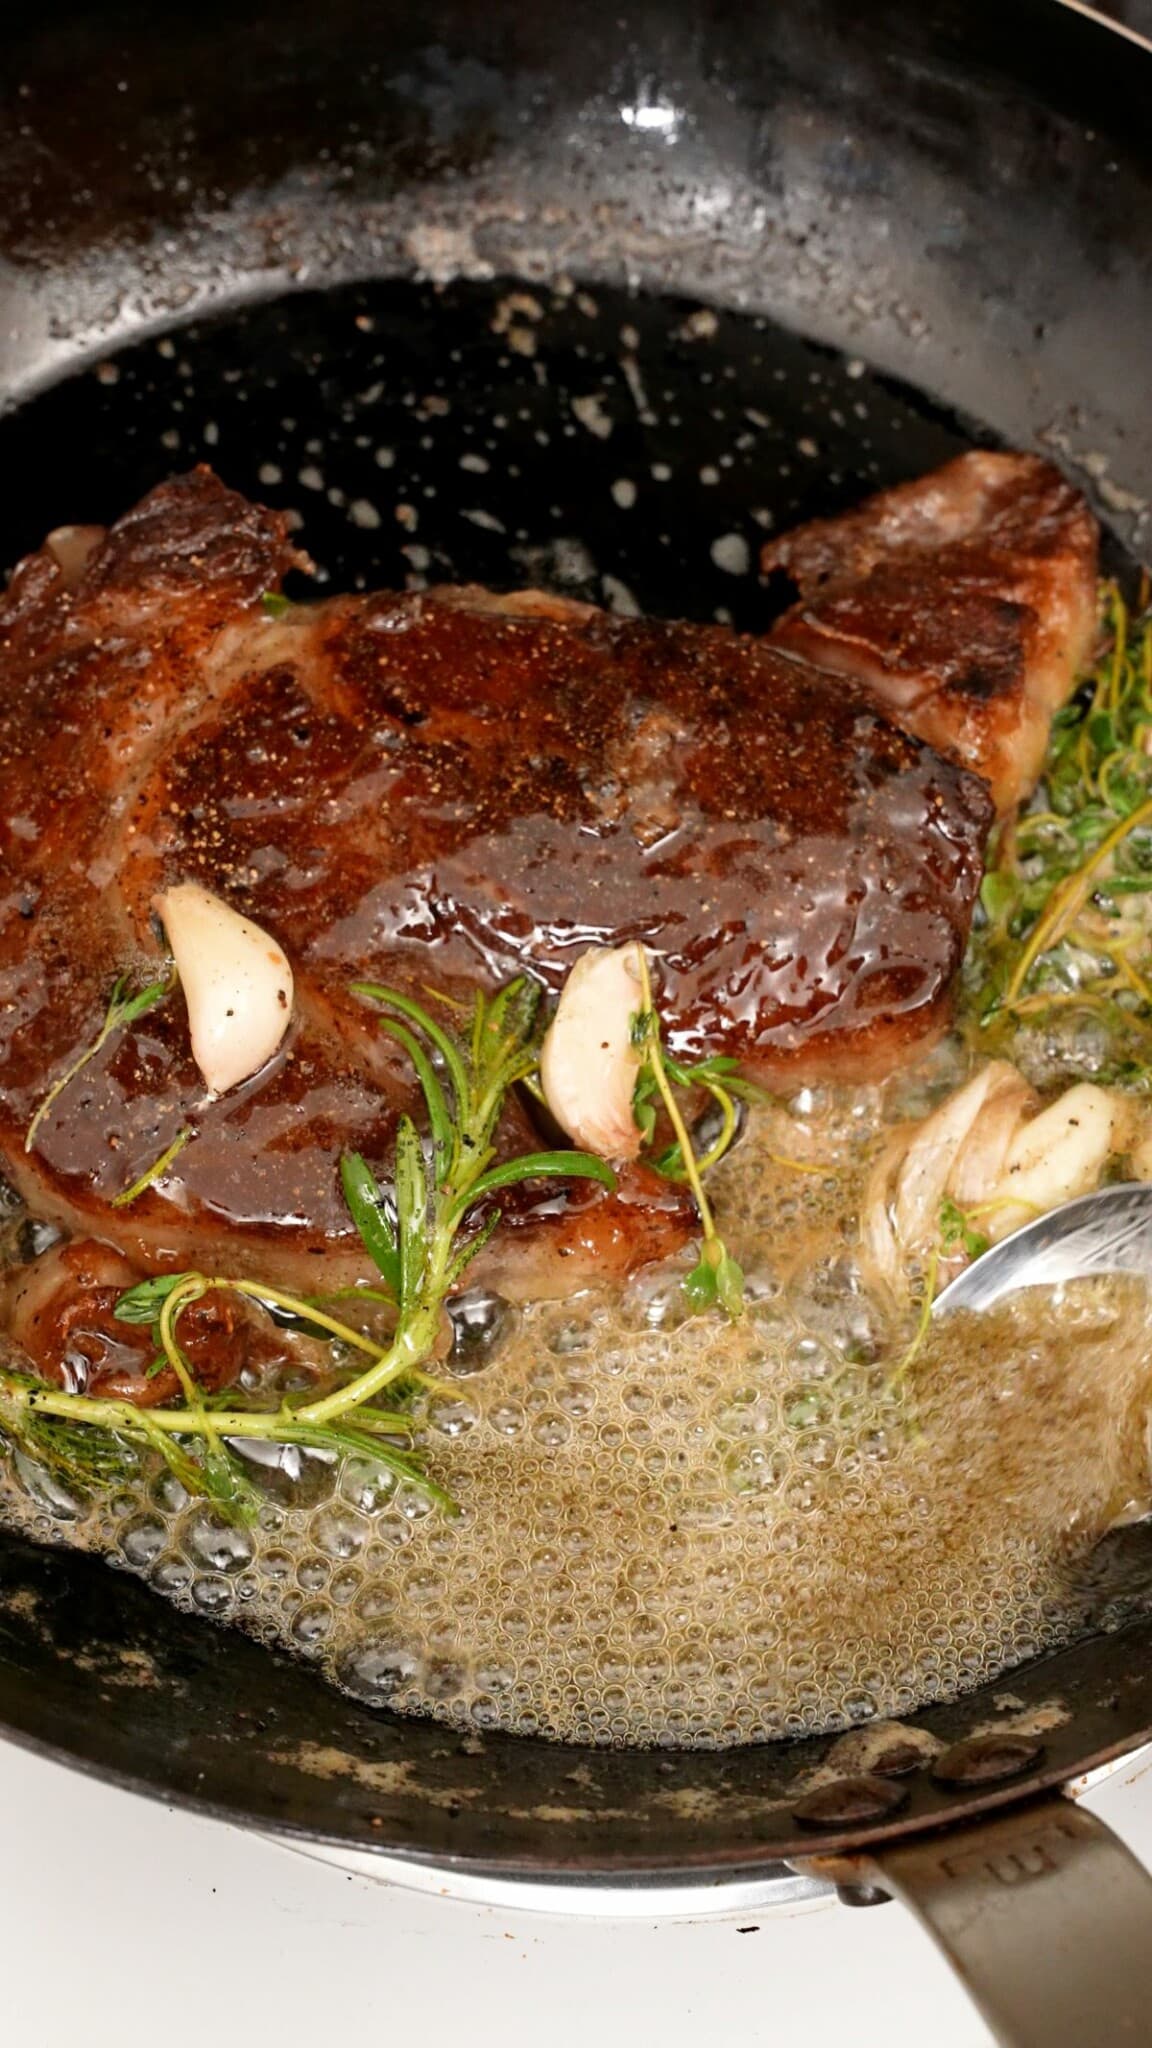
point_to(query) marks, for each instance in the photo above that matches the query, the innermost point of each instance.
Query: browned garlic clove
(588, 1063)
(236, 980)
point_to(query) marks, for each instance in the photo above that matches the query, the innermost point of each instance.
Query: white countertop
(130, 1923)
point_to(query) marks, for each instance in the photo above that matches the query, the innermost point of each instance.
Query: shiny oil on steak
(440, 789)
(672, 1529)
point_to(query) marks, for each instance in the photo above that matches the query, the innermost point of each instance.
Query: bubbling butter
(678, 1530)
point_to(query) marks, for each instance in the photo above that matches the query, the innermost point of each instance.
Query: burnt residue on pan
(93, 1667)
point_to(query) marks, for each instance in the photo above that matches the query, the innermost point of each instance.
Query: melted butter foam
(678, 1530)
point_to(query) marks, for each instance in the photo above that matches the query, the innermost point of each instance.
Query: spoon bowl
(1107, 1232)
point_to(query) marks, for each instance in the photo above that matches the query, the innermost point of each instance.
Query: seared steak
(437, 790)
(965, 600)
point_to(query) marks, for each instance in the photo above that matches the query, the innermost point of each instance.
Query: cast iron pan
(283, 239)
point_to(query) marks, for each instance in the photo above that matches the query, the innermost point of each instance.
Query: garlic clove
(1058, 1154)
(932, 1153)
(588, 1063)
(983, 1156)
(237, 984)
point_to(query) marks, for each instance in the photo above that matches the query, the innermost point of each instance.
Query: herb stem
(655, 1056)
(799, 1165)
(122, 1009)
(285, 1425)
(155, 1172)
(727, 1130)
(412, 1343)
(1069, 899)
(1131, 976)
(923, 1320)
(180, 1298)
(258, 1291)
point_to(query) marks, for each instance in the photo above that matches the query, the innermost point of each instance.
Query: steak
(965, 601)
(435, 790)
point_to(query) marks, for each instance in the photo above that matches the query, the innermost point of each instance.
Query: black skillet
(283, 238)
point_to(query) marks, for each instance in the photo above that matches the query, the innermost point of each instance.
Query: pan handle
(1045, 1916)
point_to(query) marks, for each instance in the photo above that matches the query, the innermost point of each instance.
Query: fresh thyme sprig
(123, 1009)
(1063, 925)
(421, 1234)
(716, 1277)
(719, 1077)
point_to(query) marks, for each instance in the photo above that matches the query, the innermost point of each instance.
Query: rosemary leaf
(439, 1114)
(538, 1165)
(368, 1205)
(411, 1210)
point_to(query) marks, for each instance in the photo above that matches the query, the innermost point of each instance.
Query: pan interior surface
(948, 191)
(628, 449)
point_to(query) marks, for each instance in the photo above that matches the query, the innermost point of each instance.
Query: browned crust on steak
(431, 790)
(965, 600)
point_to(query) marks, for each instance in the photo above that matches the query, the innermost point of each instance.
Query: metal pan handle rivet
(850, 1802)
(987, 1759)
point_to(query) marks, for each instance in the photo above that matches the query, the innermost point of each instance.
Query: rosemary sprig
(123, 1009)
(716, 1277)
(421, 1234)
(434, 1224)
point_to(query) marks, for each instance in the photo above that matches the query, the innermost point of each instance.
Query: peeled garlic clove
(588, 1063)
(959, 1150)
(236, 980)
(1058, 1154)
(931, 1157)
(984, 1154)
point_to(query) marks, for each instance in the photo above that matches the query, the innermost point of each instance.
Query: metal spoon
(1109, 1232)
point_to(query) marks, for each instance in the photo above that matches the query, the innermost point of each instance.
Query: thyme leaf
(957, 1230)
(1062, 925)
(124, 1008)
